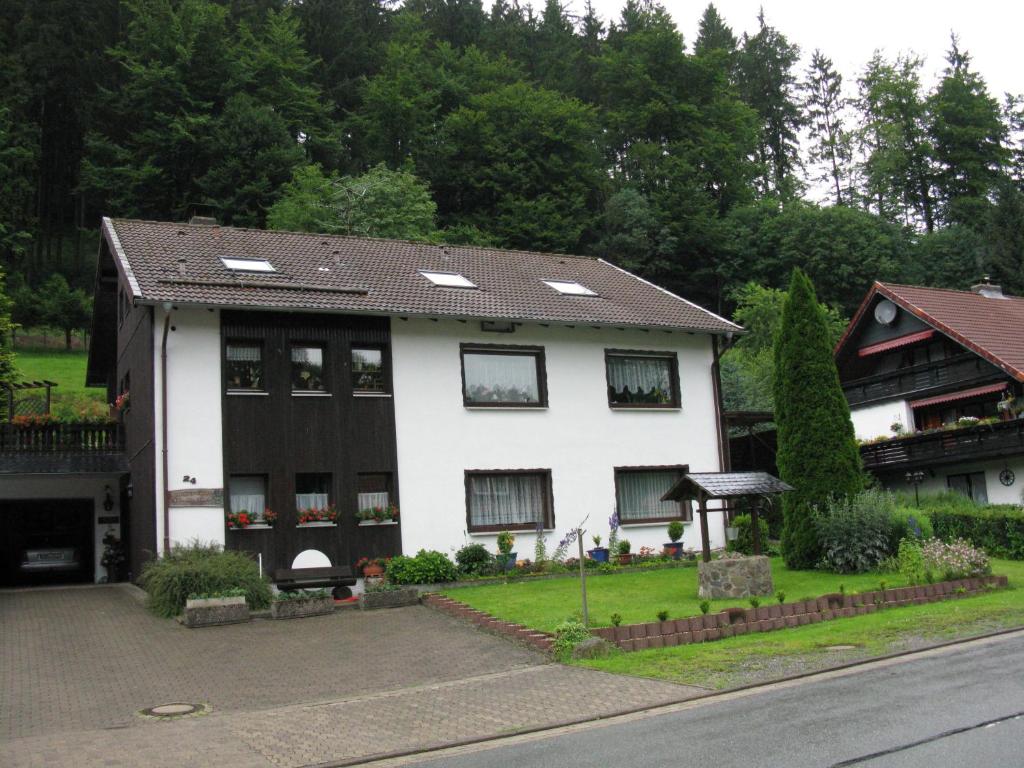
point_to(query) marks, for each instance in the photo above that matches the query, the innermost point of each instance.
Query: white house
(934, 380)
(307, 379)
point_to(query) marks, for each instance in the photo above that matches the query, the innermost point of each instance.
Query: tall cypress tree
(817, 452)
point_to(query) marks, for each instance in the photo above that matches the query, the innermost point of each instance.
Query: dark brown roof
(180, 263)
(991, 327)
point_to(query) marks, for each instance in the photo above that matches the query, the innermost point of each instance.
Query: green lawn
(750, 658)
(71, 398)
(753, 658)
(638, 596)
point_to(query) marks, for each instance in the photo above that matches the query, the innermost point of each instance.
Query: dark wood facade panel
(135, 361)
(280, 435)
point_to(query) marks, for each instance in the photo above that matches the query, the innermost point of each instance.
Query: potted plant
(269, 517)
(598, 554)
(377, 515)
(318, 516)
(301, 603)
(238, 520)
(674, 548)
(506, 558)
(625, 556)
(113, 557)
(371, 567)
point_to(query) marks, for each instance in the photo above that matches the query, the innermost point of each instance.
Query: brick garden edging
(540, 640)
(765, 618)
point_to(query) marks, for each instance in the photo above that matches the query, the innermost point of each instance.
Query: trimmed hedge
(427, 567)
(998, 529)
(201, 569)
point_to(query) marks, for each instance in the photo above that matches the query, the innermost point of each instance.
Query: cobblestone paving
(76, 664)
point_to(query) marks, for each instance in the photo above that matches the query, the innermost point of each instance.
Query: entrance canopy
(725, 485)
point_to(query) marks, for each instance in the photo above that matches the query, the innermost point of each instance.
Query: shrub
(568, 635)
(475, 560)
(908, 523)
(624, 547)
(998, 529)
(955, 560)
(910, 561)
(675, 531)
(201, 569)
(744, 541)
(854, 532)
(427, 567)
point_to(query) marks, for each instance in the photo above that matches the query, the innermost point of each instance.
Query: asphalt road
(955, 707)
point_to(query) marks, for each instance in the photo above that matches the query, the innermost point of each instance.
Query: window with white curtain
(642, 380)
(243, 366)
(638, 495)
(312, 491)
(505, 376)
(248, 493)
(373, 489)
(516, 500)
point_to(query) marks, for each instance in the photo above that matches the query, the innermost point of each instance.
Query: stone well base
(743, 577)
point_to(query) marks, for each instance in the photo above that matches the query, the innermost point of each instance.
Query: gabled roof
(181, 263)
(725, 485)
(991, 327)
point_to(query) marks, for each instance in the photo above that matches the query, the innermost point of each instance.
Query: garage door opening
(48, 541)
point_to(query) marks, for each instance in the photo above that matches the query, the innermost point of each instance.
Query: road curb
(707, 698)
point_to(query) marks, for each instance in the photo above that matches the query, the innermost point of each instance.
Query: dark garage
(48, 541)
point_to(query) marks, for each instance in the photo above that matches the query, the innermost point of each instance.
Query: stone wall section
(735, 577)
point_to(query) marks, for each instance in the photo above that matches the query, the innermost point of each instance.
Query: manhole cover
(840, 647)
(177, 709)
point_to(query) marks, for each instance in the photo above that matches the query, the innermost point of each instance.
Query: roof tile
(181, 263)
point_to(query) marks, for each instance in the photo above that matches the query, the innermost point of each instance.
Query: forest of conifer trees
(701, 164)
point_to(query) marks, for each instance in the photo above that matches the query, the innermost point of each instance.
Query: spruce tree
(817, 453)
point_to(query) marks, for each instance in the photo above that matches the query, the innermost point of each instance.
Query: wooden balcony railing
(959, 370)
(63, 438)
(985, 441)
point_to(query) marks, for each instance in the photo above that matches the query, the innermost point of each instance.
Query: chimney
(203, 221)
(987, 289)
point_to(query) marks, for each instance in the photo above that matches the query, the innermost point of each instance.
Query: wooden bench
(339, 577)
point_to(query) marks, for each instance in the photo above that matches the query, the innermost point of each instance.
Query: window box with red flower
(244, 519)
(317, 517)
(379, 515)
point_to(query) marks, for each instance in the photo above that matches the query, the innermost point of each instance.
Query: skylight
(448, 279)
(247, 265)
(570, 288)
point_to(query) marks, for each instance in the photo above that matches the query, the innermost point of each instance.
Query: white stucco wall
(194, 417)
(877, 420)
(72, 487)
(997, 492)
(578, 437)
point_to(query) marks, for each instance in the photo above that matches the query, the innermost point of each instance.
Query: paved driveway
(76, 664)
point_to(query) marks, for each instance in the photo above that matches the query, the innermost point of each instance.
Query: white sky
(849, 32)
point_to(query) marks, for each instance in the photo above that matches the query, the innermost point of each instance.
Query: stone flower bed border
(540, 640)
(765, 618)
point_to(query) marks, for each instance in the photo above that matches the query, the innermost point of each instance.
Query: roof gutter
(728, 333)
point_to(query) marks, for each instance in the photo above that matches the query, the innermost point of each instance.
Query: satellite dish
(885, 312)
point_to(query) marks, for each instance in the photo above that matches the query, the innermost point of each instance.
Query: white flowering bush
(954, 560)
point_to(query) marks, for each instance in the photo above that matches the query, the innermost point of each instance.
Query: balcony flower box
(243, 519)
(317, 517)
(378, 515)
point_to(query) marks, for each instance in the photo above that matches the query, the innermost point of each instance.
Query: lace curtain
(640, 495)
(308, 500)
(249, 494)
(506, 499)
(371, 500)
(248, 353)
(501, 378)
(639, 374)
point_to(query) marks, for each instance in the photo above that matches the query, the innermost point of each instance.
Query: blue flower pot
(598, 554)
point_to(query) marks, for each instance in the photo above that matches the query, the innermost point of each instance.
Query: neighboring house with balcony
(307, 379)
(934, 382)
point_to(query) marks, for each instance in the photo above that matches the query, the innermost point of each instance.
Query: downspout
(724, 459)
(163, 430)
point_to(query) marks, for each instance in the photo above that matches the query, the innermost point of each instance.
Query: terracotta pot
(625, 558)
(373, 571)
